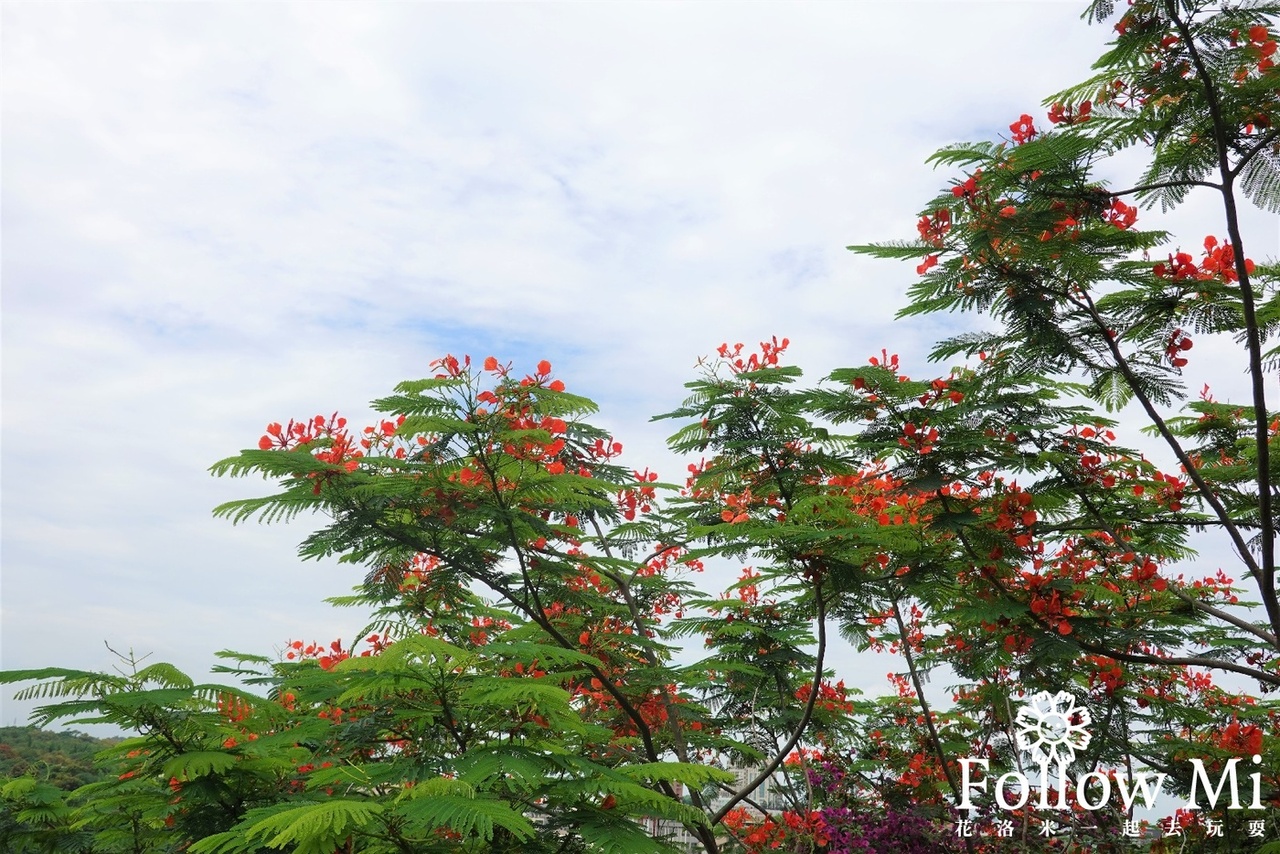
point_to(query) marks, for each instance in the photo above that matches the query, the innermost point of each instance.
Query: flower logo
(1052, 729)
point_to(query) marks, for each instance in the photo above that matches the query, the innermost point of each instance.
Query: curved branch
(1262, 142)
(934, 738)
(1136, 658)
(1253, 338)
(1161, 185)
(678, 743)
(1105, 525)
(804, 718)
(1187, 660)
(1085, 302)
(536, 613)
(1226, 617)
(751, 802)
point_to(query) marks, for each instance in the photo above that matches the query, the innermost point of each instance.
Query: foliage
(63, 759)
(37, 769)
(522, 685)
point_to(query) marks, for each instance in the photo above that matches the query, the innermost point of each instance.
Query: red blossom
(1060, 114)
(1023, 129)
(934, 228)
(1120, 215)
(969, 187)
(1241, 738)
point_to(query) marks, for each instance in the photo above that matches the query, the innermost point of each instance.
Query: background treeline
(62, 759)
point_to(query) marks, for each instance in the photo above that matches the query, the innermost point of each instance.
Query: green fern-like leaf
(267, 509)
(694, 776)
(66, 683)
(520, 767)
(189, 766)
(227, 842)
(1260, 180)
(165, 674)
(472, 817)
(315, 828)
(619, 836)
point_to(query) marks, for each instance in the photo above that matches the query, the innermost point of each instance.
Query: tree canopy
(545, 670)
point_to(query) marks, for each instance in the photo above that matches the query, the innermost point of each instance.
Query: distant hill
(63, 759)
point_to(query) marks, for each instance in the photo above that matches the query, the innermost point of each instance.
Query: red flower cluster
(1148, 571)
(1120, 215)
(767, 357)
(1263, 46)
(969, 187)
(1053, 611)
(1179, 267)
(933, 228)
(297, 435)
(326, 657)
(920, 439)
(450, 365)
(638, 499)
(1060, 114)
(1107, 673)
(1178, 343)
(885, 360)
(1241, 738)
(833, 698)
(1221, 260)
(1171, 492)
(481, 626)
(1023, 129)
(233, 708)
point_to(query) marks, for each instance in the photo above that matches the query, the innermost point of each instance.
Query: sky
(215, 216)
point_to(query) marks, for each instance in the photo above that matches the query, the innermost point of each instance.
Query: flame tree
(517, 688)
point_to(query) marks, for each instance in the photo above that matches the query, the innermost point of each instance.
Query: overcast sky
(220, 215)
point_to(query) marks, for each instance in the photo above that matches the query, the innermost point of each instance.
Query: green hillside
(62, 759)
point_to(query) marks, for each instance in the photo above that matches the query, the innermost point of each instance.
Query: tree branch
(1253, 337)
(804, 718)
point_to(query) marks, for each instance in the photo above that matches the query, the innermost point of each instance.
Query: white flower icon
(1052, 729)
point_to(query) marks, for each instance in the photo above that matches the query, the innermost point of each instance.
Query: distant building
(676, 834)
